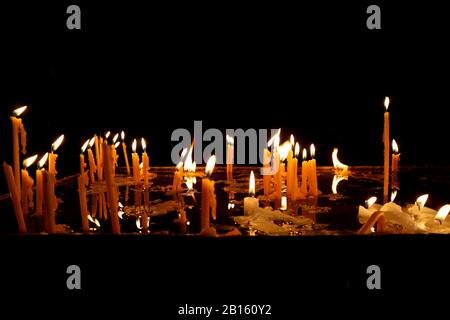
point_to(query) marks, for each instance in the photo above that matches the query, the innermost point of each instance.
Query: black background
(312, 69)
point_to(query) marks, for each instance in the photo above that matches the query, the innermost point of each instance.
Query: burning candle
(267, 176)
(290, 169)
(386, 150)
(82, 183)
(295, 193)
(98, 157)
(18, 130)
(91, 160)
(114, 152)
(312, 179)
(305, 169)
(53, 156)
(230, 157)
(111, 187)
(145, 163)
(277, 168)
(40, 184)
(27, 186)
(7, 169)
(395, 157)
(442, 213)
(177, 178)
(82, 162)
(250, 202)
(125, 155)
(336, 180)
(135, 162)
(208, 195)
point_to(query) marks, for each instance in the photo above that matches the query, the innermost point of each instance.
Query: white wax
(250, 204)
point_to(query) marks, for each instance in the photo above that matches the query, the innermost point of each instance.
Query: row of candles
(104, 162)
(20, 184)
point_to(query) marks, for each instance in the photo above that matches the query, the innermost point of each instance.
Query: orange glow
(284, 150)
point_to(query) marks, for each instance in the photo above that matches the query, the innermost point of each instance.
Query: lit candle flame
(336, 163)
(210, 165)
(122, 135)
(120, 214)
(312, 151)
(17, 112)
(144, 145)
(371, 201)
(134, 145)
(394, 146)
(420, 202)
(292, 140)
(386, 102)
(116, 145)
(57, 143)
(336, 180)
(91, 142)
(230, 140)
(251, 186)
(116, 136)
(179, 165)
(305, 154)
(275, 140)
(183, 153)
(120, 205)
(188, 160)
(442, 213)
(107, 134)
(43, 160)
(85, 145)
(29, 161)
(393, 195)
(284, 150)
(297, 149)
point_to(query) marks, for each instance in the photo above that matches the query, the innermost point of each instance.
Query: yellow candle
(91, 160)
(40, 184)
(125, 155)
(294, 169)
(53, 156)
(386, 151)
(278, 179)
(230, 157)
(395, 157)
(100, 166)
(82, 183)
(305, 169)
(177, 178)
(290, 173)
(208, 195)
(145, 163)
(112, 192)
(97, 157)
(7, 169)
(267, 176)
(135, 162)
(27, 186)
(82, 162)
(50, 200)
(18, 130)
(312, 179)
